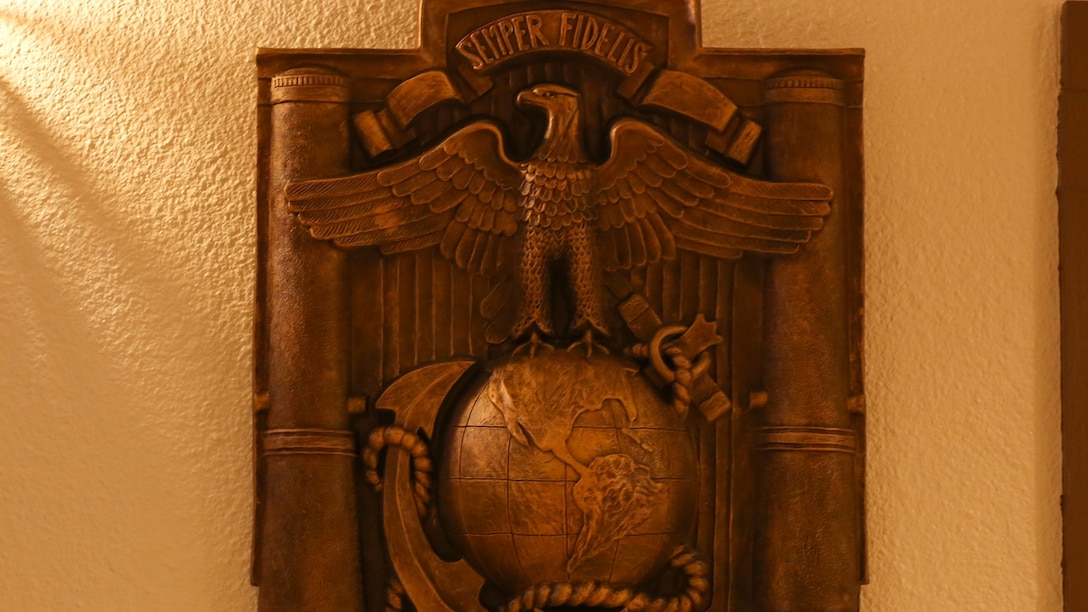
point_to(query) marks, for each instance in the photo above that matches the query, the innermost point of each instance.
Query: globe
(560, 467)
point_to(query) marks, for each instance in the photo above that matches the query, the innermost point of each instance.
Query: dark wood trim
(1073, 223)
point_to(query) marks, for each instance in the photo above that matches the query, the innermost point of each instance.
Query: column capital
(804, 86)
(309, 84)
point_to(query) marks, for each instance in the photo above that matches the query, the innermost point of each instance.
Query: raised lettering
(639, 53)
(602, 40)
(490, 44)
(616, 45)
(589, 37)
(480, 48)
(493, 35)
(477, 63)
(519, 32)
(535, 22)
(506, 30)
(578, 30)
(564, 27)
(494, 42)
(623, 56)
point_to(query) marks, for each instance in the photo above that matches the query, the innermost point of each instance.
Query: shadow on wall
(125, 269)
(84, 325)
(42, 193)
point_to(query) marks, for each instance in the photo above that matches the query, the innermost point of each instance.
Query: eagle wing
(460, 195)
(656, 196)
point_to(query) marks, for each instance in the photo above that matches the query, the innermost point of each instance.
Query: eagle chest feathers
(559, 216)
(556, 196)
(517, 222)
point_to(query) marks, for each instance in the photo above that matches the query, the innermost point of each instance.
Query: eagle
(558, 211)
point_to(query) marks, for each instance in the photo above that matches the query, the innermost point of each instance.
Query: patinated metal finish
(560, 311)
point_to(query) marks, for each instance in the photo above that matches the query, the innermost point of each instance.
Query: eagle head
(556, 100)
(562, 140)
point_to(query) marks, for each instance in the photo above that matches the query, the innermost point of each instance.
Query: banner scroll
(484, 49)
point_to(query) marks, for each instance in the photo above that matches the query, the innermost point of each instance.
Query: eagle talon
(533, 343)
(587, 341)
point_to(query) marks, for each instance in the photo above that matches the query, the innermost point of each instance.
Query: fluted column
(310, 547)
(807, 550)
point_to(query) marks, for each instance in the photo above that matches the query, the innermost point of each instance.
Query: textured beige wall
(126, 271)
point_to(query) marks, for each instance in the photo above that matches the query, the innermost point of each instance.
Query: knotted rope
(394, 595)
(422, 467)
(602, 595)
(681, 386)
(398, 437)
(678, 370)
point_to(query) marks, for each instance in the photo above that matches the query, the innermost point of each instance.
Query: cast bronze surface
(496, 217)
(560, 311)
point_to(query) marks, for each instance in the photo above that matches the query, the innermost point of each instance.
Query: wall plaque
(560, 311)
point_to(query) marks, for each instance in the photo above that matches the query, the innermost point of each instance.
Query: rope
(602, 595)
(398, 437)
(422, 467)
(681, 387)
(679, 371)
(394, 595)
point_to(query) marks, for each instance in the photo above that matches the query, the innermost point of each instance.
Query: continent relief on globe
(562, 467)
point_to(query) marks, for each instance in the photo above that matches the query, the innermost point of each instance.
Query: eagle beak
(528, 98)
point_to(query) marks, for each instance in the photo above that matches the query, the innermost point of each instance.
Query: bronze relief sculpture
(498, 272)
